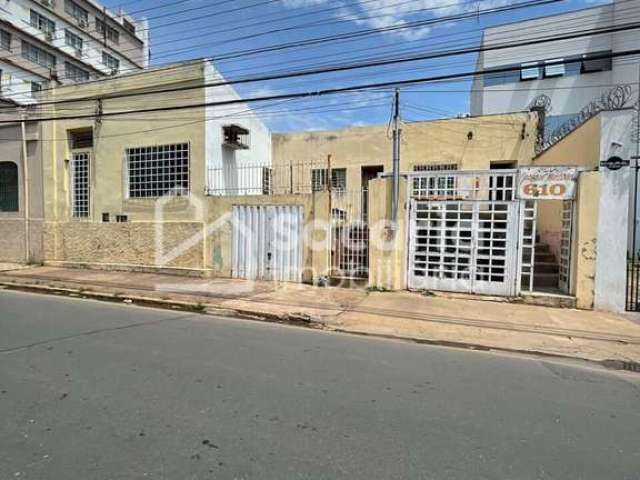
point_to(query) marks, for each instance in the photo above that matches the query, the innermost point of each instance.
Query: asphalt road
(92, 390)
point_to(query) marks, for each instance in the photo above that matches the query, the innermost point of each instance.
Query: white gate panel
(463, 246)
(267, 242)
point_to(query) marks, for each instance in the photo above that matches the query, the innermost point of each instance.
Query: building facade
(565, 76)
(47, 43)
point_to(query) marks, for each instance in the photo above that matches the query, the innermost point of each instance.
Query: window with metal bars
(441, 186)
(80, 188)
(158, 170)
(319, 178)
(8, 187)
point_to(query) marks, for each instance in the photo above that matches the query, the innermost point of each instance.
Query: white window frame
(152, 172)
(76, 11)
(80, 211)
(111, 62)
(556, 70)
(75, 73)
(529, 71)
(38, 55)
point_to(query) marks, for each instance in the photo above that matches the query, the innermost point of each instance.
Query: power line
(331, 91)
(339, 68)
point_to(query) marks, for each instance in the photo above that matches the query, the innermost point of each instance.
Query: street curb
(192, 307)
(301, 320)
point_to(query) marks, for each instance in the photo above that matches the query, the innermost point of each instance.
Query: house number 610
(544, 189)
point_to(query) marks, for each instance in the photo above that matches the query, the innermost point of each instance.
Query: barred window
(8, 187)
(80, 184)
(76, 11)
(111, 62)
(338, 179)
(158, 170)
(5, 40)
(76, 74)
(38, 55)
(440, 185)
(42, 23)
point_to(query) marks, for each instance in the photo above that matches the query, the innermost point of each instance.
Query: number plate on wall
(547, 183)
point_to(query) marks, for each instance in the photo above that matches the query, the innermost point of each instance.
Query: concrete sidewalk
(471, 323)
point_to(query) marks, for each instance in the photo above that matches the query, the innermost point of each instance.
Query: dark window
(592, 65)
(111, 62)
(122, 218)
(76, 74)
(128, 26)
(38, 55)
(77, 12)
(5, 40)
(338, 179)
(81, 139)
(109, 32)
(36, 87)
(8, 187)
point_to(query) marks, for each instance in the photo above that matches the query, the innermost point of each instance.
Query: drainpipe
(25, 174)
(395, 194)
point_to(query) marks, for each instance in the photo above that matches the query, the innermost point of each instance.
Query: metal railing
(251, 179)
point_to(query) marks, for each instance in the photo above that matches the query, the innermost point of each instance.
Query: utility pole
(397, 133)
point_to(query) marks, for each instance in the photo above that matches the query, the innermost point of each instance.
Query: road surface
(93, 390)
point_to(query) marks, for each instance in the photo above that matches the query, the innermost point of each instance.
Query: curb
(301, 320)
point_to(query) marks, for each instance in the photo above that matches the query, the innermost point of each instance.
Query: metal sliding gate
(463, 246)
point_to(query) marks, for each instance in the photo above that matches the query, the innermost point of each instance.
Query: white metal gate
(464, 246)
(349, 234)
(565, 247)
(268, 242)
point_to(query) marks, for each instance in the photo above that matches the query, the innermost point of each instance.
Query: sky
(216, 29)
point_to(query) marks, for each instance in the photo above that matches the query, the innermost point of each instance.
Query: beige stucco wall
(585, 239)
(495, 138)
(580, 148)
(387, 246)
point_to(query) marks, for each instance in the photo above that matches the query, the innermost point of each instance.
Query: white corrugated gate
(268, 242)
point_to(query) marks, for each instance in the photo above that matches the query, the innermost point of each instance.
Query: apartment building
(47, 43)
(564, 76)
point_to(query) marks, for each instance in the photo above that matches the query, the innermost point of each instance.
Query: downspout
(25, 174)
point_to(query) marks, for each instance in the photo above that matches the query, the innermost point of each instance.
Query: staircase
(546, 268)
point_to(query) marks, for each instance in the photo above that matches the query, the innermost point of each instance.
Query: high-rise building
(46, 43)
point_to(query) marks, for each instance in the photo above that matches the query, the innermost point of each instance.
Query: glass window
(72, 40)
(75, 74)
(81, 139)
(319, 178)
(80, 187)
(76, 11)
(8, 187)
(158, 170)
(109, 32)
(38, 55)
(5, 40)
(111, 62)
(555, 69)
(529, 71)
(596, 62)
(42, 23)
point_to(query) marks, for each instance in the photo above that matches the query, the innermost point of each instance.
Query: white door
(267, 242)
(463, 246)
